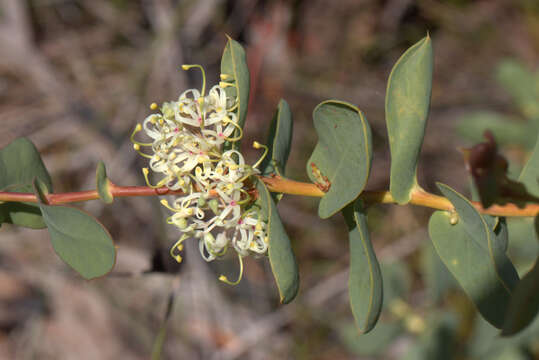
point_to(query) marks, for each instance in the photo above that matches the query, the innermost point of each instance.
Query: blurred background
(77, 75)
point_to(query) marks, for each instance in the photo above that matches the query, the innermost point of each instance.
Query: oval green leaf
(365, 282)
(279, 141)
(20, 163)
(282, 259)
(234, 65)
(103, 184)
(471, 266)
(475, 254)
(530, 174)
(524, 304)
(341, 161)
(78, 238)
(483, 232)
(438, 281)
(407, 107)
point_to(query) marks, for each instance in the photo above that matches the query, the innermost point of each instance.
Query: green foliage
(282, 259)
(524, 244)
(78, 238)
(499, 226)
(530, 174)
(20, 163)
(234, 65)
(341, 161)
(486, 343)
(374, 343)
(438, 280)
(506, 130)
(524, 304)
(103, 184)
(475, 255)
(365, 282)
(522, 85)
(407, 107)
(279, 141)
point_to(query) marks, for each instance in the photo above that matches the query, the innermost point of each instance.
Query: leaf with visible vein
(365, 280)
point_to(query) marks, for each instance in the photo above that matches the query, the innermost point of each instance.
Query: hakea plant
(193, 150)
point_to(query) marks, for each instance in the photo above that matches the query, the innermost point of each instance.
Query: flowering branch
(279, 185)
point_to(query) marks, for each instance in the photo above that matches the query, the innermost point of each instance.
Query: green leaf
(438, 280)
(103, 184)
(486, 343)
(20, 163)
(475, 256)
(407, 107)
(482, 232)
(78, 238)
(522, 85)
(282, 259)
(524, 244)
(234, 65)
(279, 141)
(374, 343)
(524, 304)
(499, 226)
(530, 174)
(341, 161)
(506, 130)
(502, 233)
(365, 282)
(492, 221)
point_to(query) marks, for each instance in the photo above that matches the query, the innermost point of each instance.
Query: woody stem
(280, 185)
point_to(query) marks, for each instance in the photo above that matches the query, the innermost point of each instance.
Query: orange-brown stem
(280, 185)
(419, 197)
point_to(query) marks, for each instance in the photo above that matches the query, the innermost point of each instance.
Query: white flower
(187, 138)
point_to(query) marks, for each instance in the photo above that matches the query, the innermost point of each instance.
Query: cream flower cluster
(187, 155)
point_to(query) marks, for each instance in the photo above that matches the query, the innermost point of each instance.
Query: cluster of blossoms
(187, 153)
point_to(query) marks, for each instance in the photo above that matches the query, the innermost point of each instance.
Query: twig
(280, 185)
